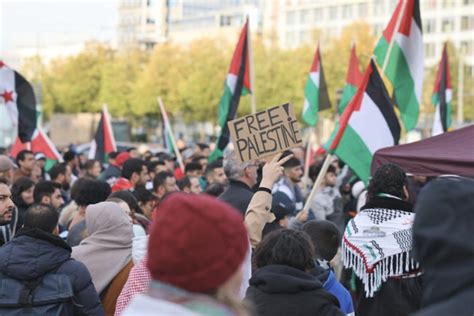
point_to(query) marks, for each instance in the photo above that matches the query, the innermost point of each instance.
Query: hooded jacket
(444, 247)
(282, 290)
(32, 253)
(330, 284)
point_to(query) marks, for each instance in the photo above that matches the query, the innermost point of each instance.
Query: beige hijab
(108, 247)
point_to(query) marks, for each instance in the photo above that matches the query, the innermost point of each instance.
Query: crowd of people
(141, 236)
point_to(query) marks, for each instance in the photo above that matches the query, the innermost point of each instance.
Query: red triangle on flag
(40, 142)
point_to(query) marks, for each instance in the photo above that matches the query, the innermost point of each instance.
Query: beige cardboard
(265, 133)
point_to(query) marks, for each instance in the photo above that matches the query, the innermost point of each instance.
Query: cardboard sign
(265, 133)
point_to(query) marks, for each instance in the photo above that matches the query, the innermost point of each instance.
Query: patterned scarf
(377, 244)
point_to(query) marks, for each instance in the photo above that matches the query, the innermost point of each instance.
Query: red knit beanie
(196, 242)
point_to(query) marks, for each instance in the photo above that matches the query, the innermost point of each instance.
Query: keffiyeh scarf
(377, 245)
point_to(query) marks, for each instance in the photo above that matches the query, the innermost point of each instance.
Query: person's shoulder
(75, 268)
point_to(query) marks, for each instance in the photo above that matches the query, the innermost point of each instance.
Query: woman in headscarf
(107, 251)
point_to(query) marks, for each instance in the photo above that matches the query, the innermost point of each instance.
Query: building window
(347, 11)
(468, 2)
(225, 20)
(378, 8)
(448, 4)
(429, 50)
(467, 23)
(333, 13)
(378, 29)
(429, 26)
(291, 18)
(150, 21)
(317, 14)
(304, 36)
(304, 16)
(429, 4)
(467, 48)
(448, 25)
(362, 9)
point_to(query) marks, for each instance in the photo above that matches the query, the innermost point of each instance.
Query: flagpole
(168, 127)
(253, 101)
(317, 183)
(460, 112)
(392, 40)
(308, 153)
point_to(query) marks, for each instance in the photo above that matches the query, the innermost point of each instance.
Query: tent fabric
(448, 153)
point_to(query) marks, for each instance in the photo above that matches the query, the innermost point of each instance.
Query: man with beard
(62, 174)
(288, 184)
(48, 192)
(7, 211)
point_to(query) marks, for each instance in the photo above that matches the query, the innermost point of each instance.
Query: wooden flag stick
(318, 181)
(308, 154)
(168, 128)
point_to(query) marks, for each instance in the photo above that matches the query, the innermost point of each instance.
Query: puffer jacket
(33, 253)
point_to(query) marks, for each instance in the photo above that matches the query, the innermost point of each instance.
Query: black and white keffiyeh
(377, 244)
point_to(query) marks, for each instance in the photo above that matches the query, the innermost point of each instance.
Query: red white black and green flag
(40, 143)
(403, 67)
(16, 93)
(353, 79)
(104, 141)
(442, 96)
(368, 124)
(237, 83)
(316, 96)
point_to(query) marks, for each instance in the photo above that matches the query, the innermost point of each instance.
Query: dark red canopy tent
(448, 153)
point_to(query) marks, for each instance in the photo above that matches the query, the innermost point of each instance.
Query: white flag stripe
(412, 48)
(371, 126)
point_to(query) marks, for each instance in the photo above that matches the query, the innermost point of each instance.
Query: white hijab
(108, 247)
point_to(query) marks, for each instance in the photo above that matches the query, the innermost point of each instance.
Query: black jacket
(282, 290)
(238, 195)
(396, 297)
(444, 247)
(32, 253)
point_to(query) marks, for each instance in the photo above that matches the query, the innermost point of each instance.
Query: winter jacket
(110, 174)
(258, 214)
(282, 290)
(238, 195)
(327, 205)
(330, 284)
(32, 253)
(444, 247)
(402, 294)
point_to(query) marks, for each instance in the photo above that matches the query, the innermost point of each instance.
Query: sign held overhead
(265, 133)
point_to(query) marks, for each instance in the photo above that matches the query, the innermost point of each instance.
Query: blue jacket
(333, 286)
(32, 253)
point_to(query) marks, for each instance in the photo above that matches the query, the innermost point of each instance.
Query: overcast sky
(26, 24)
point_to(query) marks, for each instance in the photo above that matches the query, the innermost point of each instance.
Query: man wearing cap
(6, 168)
(112, 173)
(40, 162)
(288, 184)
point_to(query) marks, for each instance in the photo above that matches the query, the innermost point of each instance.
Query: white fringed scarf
(377, 245)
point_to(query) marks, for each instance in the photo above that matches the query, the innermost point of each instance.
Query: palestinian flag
(316, 96)
(367, 124)
(404, 66)
(236, 84)
(104, 141)
(40, 143)
(19, 99)
(353, 79)
(166, 130)
(442, 96)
